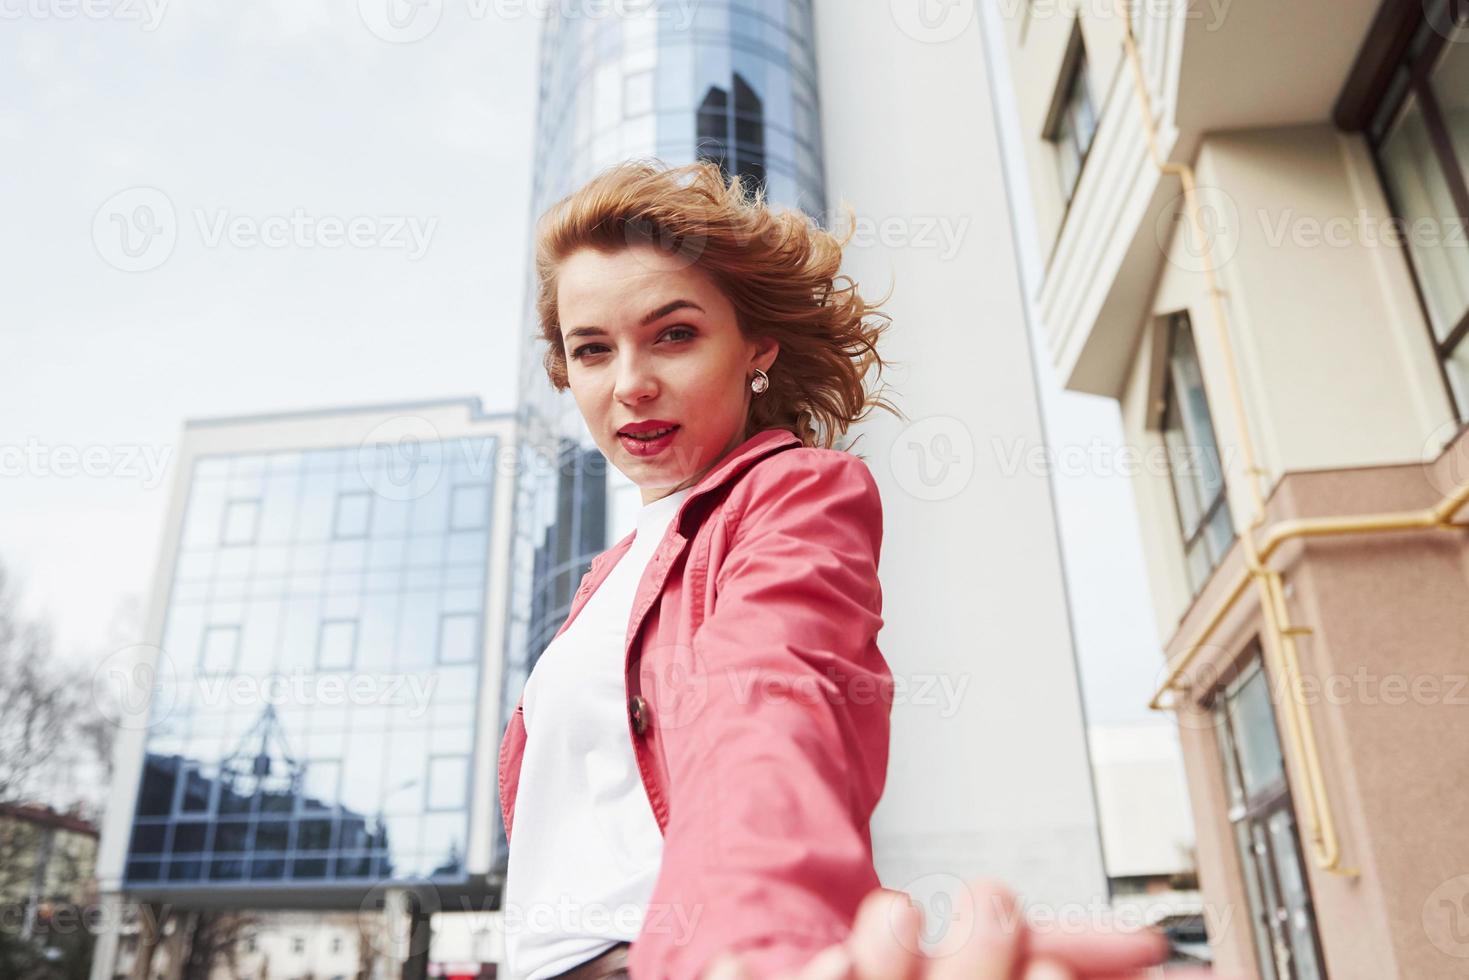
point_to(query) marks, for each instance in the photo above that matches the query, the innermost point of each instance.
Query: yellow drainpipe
(1285, 660)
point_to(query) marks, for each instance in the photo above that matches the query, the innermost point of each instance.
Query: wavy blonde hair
(777, 268)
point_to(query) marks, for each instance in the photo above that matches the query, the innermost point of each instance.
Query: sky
(219, 209)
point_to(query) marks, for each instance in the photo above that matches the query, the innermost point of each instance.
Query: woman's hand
(994, 944)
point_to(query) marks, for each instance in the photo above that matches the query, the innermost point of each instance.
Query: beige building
(1250, 219)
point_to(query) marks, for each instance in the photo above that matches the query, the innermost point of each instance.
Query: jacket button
(637, 710)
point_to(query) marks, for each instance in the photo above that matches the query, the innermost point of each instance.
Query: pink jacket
(758, 708)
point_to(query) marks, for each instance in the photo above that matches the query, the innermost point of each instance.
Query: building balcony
(1204, 68)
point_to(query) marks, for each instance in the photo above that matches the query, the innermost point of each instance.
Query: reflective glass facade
(733, 82)
(315, 711)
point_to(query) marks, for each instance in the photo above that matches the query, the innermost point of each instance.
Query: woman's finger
(1095, 953)
(1045, 968)
(884, 939)
(991, 944)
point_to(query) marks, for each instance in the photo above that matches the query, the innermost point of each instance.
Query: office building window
(221, 648)
(733, 135)
(241, 520)
(1282, 919)
(1072, 121)
(469, 508)
(458, 633)
(244, 786)
(336, 644)
(1193, 457)
(1418, 128)
(353, 513)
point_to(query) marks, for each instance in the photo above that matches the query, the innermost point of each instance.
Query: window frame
(1060, 128)
(1174, 323)
(1256, 811)
(1370, 95)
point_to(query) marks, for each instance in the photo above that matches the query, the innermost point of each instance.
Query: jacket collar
(735, 462)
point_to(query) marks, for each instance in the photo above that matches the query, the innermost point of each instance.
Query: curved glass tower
(733, 82)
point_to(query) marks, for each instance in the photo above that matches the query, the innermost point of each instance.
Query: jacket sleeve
(767, 851)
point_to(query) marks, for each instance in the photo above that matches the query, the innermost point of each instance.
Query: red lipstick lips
(649, 438)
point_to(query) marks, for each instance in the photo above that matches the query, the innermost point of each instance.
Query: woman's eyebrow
(668, 308)
(652, 317)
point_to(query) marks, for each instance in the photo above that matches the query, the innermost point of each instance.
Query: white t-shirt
(586, 848)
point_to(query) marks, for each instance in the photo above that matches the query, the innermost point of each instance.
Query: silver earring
(759, 382)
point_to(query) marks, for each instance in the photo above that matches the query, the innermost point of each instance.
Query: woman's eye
(677, 334)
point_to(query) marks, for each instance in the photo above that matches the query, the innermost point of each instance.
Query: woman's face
(650, 338)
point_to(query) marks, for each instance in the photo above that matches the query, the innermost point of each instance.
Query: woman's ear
(766, 351)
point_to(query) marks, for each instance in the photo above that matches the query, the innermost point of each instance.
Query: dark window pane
(148, 839)
(231, 836)
(185, 870)
(314, 835)
(308, 868)
(188, 838)
(228, 870)
(712, 127)
(197, 788)
(272, 835)
(267, 868)
(155, 797)
(143, 871)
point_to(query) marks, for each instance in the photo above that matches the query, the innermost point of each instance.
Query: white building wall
(991, 773)
(1147, 826)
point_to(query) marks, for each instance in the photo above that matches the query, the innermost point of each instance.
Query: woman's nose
(635, 381)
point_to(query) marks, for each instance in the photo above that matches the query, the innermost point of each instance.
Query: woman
(692, 765)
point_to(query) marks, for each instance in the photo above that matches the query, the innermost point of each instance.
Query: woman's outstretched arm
(778, 764)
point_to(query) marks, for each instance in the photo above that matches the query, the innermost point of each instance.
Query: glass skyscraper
(324, 664)
(733, 82)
